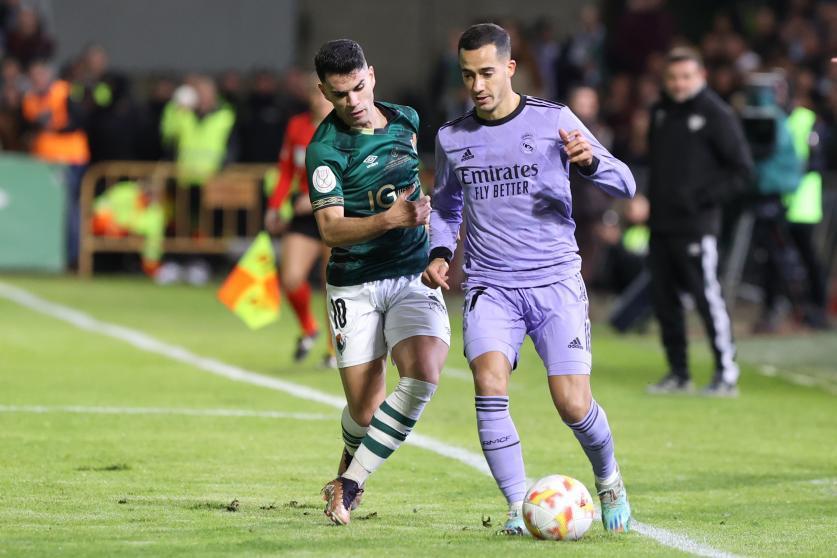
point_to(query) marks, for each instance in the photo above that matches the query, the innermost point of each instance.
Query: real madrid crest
(527, 143)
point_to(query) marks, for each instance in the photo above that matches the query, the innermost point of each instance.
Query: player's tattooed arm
(338, 230)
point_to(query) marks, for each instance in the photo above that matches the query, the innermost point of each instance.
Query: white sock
(610, 479)
(391, 424)
(515, 508)
(353, 433)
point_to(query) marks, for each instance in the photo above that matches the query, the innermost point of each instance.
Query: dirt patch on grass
(113, 467)
(293, 504)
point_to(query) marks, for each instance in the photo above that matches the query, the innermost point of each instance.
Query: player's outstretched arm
(338, 230)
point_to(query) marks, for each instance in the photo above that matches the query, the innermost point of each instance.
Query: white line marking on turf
(680, 542)
(796, 378)
(147, 343)
(457, 373)
(823, 481)
(465, 376)
(40, 409)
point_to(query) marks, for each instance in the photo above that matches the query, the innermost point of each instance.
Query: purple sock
(501, 446)
(593, 432)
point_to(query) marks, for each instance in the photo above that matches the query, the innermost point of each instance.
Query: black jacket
(699, 160)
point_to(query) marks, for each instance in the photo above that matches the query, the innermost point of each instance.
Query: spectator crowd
(85, 111)
(610, 77)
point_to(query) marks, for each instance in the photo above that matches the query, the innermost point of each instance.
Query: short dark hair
(683, 54)
(340, 57)
(481, 34)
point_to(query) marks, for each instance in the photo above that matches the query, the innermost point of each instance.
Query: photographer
(789, 158)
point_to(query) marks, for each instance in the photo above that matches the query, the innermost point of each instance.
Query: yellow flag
(252, 290)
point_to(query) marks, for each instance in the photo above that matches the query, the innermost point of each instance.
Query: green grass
(755, 476)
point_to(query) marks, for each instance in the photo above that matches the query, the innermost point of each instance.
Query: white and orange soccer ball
(558, 508)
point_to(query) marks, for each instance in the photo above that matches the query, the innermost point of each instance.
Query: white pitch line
(457, 373)
(465, 376)
(147, 343)
(797, 378)
(79, 409)
(680, 542)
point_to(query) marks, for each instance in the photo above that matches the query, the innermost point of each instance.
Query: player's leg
(298, 256)
(493, 334)
(417, 329)
(498, 434)
(560, 330)
(574, 401)
(365, 387)
(669, 311)
(358, 328)
(702, 283)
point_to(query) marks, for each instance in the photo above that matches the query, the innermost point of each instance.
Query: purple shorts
(554, 316)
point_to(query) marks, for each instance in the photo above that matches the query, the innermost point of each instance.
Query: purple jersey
(512, 177)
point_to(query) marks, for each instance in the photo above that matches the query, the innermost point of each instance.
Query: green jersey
(364, 171)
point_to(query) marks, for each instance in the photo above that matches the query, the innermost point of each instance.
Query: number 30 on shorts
(338, 312)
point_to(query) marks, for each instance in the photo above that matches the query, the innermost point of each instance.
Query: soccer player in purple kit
(506, 165)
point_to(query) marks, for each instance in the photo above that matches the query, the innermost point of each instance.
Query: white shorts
(369, 319)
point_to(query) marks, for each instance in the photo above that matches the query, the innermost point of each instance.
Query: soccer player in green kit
(362, 167)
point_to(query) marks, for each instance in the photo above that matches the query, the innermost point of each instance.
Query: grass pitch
(107, 449)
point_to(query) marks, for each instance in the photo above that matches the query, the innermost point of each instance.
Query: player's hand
(273, 222)
(408, 214)
(436, 274)
(577, 147)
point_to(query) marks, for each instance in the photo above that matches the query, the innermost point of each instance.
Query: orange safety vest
(69, 148)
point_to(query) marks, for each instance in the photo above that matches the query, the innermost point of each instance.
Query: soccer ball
(558, 508)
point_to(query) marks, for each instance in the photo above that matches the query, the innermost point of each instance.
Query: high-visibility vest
(202, 144)
(805, 204)
(50, 144)
(635, 239)
(171, 123)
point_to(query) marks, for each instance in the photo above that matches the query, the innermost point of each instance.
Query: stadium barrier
(32, 215)
(228, 209)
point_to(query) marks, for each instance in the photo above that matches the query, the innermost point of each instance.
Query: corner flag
(252, 290)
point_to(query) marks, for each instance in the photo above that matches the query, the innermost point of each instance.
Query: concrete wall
(180, 35)
(403, 38)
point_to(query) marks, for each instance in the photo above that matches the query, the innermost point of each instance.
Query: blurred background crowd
(610, 79)
(606, 66)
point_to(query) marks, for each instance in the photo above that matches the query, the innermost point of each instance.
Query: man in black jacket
(699, 159)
